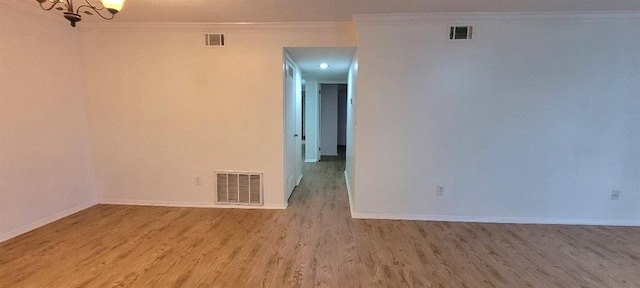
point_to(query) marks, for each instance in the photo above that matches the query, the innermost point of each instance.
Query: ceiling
(308, 59)
(337, 10)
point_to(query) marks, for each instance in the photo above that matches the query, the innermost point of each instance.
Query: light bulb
(113, 5)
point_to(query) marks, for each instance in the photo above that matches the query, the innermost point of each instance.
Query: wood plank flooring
(314, 243)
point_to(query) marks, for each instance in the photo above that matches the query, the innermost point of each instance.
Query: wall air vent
(214, 40)
(238, 188)
(461, 32)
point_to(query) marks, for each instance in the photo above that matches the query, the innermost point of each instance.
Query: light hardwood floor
(313, 243)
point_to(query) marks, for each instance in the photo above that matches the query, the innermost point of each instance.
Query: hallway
(314, 243)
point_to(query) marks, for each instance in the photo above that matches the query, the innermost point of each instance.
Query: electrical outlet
(439, 190)
(615, 195)
(197, 181)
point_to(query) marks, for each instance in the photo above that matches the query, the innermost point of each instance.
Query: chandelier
(92, 7)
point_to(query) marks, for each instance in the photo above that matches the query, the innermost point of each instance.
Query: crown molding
(208, 27)
(504, 17)
(31, 8)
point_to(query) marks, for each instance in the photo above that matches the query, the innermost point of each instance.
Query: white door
(298, 140)
(290, 133)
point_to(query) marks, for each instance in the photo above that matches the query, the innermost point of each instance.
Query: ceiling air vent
(214, 40)
(460, 32)
(238, 188)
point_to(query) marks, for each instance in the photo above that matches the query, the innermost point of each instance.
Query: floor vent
(239, 188)
(214, 40)
(461, 32)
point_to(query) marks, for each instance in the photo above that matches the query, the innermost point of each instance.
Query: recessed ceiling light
(323, 66)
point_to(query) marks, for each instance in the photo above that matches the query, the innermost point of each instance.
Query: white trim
(186, 204)
(299, 179)
(47, 220)
(348, 183)
(311, 160)
(503, 17)
(492, 219)
(328, 27)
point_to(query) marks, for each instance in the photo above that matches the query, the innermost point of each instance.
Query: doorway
(333, 119)
(314, 67)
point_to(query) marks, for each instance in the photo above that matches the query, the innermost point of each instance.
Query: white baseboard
(348, 183)
(186, 204)
(299, 179)
(505, 220)
(44, 221)
(311, 160)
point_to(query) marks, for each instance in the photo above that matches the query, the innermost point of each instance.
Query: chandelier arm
(91, 7)
(96, 9)
(53, 3)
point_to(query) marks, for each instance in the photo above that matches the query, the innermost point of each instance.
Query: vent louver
(240, 188)
(461, 32)
(214, 40)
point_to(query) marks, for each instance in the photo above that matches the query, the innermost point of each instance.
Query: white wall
(329, 120)
(352, 90)
(534, 120)
(163, 109)
(46, 170)
(342, 115)
(312, 121)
